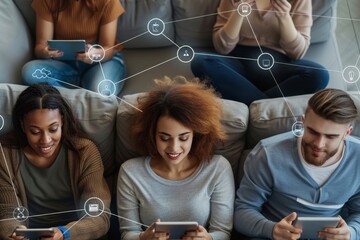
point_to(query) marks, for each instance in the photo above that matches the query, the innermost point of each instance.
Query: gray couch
(188, 22)
(107, 119)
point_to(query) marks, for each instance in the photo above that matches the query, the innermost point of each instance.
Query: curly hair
(191, 103)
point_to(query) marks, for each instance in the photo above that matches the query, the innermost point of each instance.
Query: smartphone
(175, 229)
(34, 233)
(312, 225)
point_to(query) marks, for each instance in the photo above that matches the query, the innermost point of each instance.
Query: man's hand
(285, 230)
(341, 231)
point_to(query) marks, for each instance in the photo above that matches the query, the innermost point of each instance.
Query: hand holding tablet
(175, 229)
(70, 48)
(34, 233)
(311, 226)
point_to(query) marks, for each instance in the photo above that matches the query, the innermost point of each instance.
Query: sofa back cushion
(234, 121)
(273, 116)
(188, 22)
(16, 43)
(95, 113)
(324, 21)
(132, 26)
(194, 21)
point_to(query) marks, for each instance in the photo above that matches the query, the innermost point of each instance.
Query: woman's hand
(51, 53)
(281, 8)
(150, 234)
(200, 233)
(13, 236)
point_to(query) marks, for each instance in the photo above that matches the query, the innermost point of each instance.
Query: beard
(317, 156)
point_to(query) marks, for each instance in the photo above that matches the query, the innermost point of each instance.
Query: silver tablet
(175, 229)
(312, 225)
(34, 233)
(69, 47)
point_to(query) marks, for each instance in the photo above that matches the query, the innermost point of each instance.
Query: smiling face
(173, 140)
(42, 128)
(322, 138)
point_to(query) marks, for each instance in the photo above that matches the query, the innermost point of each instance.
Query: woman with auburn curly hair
(179, 178)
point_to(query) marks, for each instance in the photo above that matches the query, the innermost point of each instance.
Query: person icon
(186, 53)
(106, 90)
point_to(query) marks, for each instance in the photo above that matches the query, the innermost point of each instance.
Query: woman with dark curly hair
(179, 178)
(51, 170)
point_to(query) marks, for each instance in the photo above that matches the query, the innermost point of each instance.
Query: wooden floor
(348, 35)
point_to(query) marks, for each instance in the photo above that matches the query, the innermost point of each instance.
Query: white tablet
(175, 229)
(34, 233)
(312, 225)
(69, 47)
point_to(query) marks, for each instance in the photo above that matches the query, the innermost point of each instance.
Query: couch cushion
(96, 114)
(132, 27)
(15, 43)
(234, 121)
(194, 21)
(269, 117)
(324, 21)
(273, 116)
(28, 13)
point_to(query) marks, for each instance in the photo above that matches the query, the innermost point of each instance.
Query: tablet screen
(312, 225)
(34, 233)
(69, 47)
(175, 229)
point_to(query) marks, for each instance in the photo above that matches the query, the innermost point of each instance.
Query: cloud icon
(41, 73)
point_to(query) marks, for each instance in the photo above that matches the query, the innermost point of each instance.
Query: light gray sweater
(207, 196)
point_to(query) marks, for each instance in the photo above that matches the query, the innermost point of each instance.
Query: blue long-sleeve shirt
(276, 183)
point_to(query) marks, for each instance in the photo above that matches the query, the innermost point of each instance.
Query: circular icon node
(244, 9)
(106, 88)
(21, 213)
(96, 53)
(298, 128)
(2, 122)
(265, 61)
(185, 54)
(351, 74)
(94, 207)
(156, 26)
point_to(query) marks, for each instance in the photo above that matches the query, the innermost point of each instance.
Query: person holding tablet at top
(94, 21)
(49, 166)
(179, 178)
(315, 175)
(280, 28)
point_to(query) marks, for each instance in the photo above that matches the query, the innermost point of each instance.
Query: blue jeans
(77, 74)
(244, 81)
